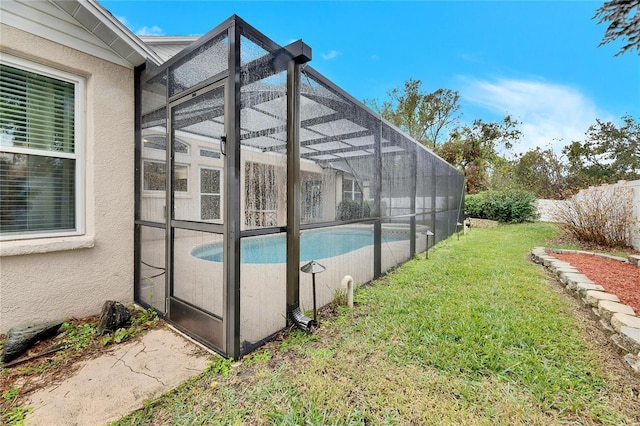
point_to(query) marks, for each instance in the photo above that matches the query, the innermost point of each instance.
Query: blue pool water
(314, 244)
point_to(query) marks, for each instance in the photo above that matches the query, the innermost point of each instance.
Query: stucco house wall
(58, 278)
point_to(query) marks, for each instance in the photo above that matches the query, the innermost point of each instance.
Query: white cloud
(123, 20)
(149, 31)
(144, 31)
(332, 54)
(551, 114)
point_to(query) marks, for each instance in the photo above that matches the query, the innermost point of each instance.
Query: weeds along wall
(236, 130)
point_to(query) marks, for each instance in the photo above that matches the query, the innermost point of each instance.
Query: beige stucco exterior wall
(58, 278)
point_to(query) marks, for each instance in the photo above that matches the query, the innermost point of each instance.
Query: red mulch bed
(621, 279)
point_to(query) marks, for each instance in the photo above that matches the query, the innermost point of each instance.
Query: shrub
(602, 216)
(353, 209)
(509, 206)
(513, 206)
(474, 204)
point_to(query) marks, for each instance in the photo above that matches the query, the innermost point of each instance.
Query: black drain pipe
(301, 321)
(300, 54)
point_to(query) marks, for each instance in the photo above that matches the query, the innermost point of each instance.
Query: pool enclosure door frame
(189, 293)
(160, 94)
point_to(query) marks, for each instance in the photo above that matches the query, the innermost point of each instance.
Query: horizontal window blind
(37, 182)
(36, 193)
(37, 111)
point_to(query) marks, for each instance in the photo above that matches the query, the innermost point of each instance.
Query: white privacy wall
(546, 207)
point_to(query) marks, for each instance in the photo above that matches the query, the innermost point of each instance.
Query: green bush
(510, 206)
(353, 209)
(474, 205)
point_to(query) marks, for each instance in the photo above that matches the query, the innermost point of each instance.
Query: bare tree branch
(624, 22)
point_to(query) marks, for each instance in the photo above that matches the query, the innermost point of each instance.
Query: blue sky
(536, 60)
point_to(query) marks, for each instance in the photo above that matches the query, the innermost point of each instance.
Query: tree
(473, 149)
(543, 173)
(501, 177)
(423, 116)
(608, 154)
(624, 18)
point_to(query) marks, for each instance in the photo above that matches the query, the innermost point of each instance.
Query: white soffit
(83, 25)
(168, 46)
(107, 28)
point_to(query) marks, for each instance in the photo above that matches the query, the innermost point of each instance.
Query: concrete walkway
(118, 382)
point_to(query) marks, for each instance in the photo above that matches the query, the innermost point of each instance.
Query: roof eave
(110, 30)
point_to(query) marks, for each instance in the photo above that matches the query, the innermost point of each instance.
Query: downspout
(300, 54)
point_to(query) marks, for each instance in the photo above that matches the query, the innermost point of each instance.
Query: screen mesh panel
(369, 195)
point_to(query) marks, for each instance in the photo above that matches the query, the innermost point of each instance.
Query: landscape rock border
(618, 319)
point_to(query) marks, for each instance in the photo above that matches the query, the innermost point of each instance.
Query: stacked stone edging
(482, 223)
(617, 318)
(591, 253)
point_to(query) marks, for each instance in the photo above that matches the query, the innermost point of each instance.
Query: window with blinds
(39, 159)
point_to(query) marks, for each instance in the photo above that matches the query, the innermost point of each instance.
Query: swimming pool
(314, 244)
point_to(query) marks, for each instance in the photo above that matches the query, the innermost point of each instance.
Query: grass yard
(476, 334)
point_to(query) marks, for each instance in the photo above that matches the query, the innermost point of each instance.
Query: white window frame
(159, 135)
(79, 146)
(351, 192)
(217, 153)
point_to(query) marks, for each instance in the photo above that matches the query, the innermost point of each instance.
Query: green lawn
(473, 335)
